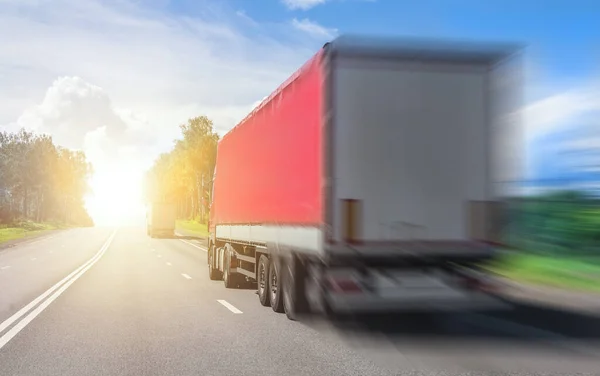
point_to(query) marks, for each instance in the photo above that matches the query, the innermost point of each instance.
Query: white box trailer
(409, 136)
(161, 218)
(414, 140)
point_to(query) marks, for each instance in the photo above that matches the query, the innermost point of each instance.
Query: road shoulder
(30, 238)
(587, 302)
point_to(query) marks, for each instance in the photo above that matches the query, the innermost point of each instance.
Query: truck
(366, 181)
(160, 219)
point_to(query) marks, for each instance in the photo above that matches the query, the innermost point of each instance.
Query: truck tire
(213, 273)
(275, 295)
(293, 282)
(262, 281)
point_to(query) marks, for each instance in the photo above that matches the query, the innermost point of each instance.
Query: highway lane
(133, 314)
(529, 337)
(29, 268)
(147, 307)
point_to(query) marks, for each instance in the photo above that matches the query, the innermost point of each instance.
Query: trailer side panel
(269, 166)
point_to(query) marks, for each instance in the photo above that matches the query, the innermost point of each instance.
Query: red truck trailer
(365, 181)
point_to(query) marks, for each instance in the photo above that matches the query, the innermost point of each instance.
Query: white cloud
(302, 4)
(116, 79)
(565, 109)
(80, 115)
(164, 66)
(314, 29)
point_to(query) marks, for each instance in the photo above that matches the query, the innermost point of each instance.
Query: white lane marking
(33, 259)
(229, 306)
(55, 290)
(5, 267)
(186, 276)
(194, 245)
(169, 264)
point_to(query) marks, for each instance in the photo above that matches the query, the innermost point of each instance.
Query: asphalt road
(103, 302)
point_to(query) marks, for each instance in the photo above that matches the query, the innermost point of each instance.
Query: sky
(116, 78)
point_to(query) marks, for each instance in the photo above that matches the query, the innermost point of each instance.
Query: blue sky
(562, 36)
(562, 40)
(116, 77)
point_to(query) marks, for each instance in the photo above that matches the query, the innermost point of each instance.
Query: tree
(184, 175)
(40, 181)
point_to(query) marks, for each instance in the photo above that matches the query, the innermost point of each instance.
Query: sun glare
(116, 198)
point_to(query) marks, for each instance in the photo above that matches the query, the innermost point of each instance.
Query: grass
(564, 272)
(193, 227)
(25, 229)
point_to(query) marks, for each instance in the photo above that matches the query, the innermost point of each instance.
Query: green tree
(184, 175)
(40, 181)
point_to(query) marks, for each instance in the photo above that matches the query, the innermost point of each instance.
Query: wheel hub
(262, 278)
(274, 285)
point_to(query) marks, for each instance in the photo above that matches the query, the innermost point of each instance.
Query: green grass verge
(193, 227)
(26, 229)
(564, 272)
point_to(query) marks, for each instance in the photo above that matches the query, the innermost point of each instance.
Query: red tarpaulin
(269, 167)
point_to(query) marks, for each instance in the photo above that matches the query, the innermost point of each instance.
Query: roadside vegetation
(183, 176)
(554, 241)
(563, 272)
(26, 229)
(42, 185)
(193, 228)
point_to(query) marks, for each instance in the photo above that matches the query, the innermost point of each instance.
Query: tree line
(42, 182)
(564, 223)
(183, 176)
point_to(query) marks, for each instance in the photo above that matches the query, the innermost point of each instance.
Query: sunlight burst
(116, 197)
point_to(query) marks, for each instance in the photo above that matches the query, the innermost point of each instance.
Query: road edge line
(17, 315)
(194, 245)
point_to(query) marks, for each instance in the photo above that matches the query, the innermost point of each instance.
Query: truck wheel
(213, 273)
(295, 302)
(262, 280)
(275, 294)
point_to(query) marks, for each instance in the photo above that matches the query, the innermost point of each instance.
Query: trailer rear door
(409, 148)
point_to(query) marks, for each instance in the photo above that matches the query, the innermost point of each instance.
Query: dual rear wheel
(281, 286)
(280, 283)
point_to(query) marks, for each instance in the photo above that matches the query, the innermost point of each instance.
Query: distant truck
(365, 182)
(161, 219)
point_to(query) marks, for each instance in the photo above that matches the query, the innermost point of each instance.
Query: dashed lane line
(229, 306)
